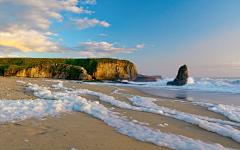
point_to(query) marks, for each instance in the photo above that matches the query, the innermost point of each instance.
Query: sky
(158, 36)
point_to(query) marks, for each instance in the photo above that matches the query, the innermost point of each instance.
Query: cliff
(57, 71)
(115, 70)
(77, 69)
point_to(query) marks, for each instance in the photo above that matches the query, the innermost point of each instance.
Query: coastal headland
(74, 69)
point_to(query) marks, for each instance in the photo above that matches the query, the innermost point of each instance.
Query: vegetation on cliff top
(20, 63)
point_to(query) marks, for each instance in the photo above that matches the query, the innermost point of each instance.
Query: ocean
(208, 90)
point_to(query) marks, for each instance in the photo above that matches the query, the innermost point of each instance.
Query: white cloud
(44, 5)
(88, 12)
(8, 50)
(141, 46)
(104, 23)
(91, 2)
(95, 49)
(50, 33)
(103, 34)
(39, 12)
(54, 14)
(26, 27)
(28, 40)
(86, 23)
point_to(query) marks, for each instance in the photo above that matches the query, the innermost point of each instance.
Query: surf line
(223, 129)
(70, 99)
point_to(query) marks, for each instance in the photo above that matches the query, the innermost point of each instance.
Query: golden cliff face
(106, 69)
(35, 72)
(115, 70)
(56, 71)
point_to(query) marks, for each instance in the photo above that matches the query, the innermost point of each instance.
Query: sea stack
(181, 78)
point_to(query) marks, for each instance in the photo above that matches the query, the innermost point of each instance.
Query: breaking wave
(227, 85)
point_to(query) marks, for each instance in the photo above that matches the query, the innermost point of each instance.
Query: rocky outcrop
(181, 78)
(115, 70)
(57, 71)
(145, 78)
(97, 68)
(157, 77)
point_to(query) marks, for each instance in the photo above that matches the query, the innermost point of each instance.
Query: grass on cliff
(89, 64)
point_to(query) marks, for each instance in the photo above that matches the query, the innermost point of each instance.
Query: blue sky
(158, 36)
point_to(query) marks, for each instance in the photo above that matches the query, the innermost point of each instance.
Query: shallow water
(199, 96)
(210, 90)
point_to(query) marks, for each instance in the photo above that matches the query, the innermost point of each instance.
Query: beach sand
(82, 131)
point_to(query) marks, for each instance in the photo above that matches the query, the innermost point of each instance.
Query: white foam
(202, 84)
(190, 80)
(69, 100)
(20, 82)
(160, 125)
(146, 104)
(230, 111)
(215, 125)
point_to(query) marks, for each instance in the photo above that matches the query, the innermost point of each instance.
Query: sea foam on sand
(69, 100)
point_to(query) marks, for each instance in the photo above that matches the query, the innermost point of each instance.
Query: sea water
(211, 90)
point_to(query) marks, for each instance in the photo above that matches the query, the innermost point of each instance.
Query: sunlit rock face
(57, 71)
(75, 69)
(181, 78)
(115, 70)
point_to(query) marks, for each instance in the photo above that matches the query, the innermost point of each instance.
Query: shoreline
(190, 95)
(54, 129)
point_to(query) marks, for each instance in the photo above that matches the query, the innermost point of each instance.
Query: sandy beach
(79, 130)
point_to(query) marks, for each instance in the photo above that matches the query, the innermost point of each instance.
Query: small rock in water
(181, 78)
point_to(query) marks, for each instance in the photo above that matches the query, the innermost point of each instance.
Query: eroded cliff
(57, 71)
(115, 70)
(77, 69)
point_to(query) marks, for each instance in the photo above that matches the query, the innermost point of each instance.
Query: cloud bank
(95, 49)
(25, 27)
(141, 46)
(87, 23)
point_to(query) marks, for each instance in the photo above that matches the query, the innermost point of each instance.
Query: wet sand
(82, 131)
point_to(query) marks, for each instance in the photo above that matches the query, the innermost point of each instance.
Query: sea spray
(190, 80)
